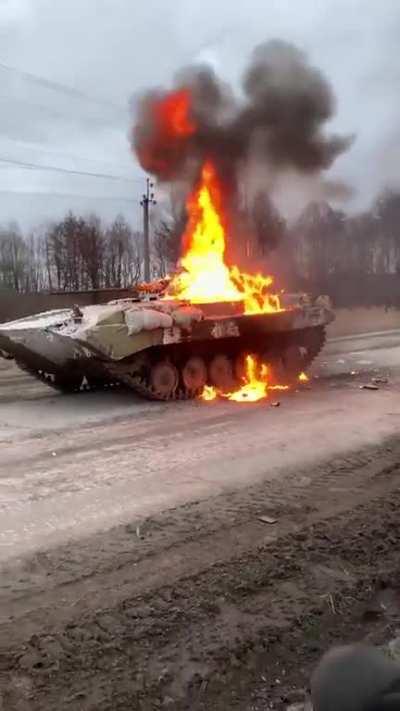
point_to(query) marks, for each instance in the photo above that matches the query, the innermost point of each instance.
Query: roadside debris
(330, 600)
(203, 686)
(369, 386)
(276, 403)
(303, 378)
(268, 519)
(380, 380)
(300, 707)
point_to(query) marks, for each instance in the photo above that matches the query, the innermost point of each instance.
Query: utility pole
(146, 201)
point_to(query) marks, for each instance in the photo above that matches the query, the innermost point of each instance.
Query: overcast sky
(107, 50)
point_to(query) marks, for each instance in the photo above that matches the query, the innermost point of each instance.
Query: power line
(49, 110)
(63, 195)
(63, 88)
(57, 169)
(38, 147)
(66, 117)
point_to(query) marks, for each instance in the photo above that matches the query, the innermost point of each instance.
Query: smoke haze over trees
(355, 259)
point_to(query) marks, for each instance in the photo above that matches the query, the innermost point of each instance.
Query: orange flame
(173, 114)
(303, 378)
(209, 393)
(205, 277)
(168, 125)
(256, 384)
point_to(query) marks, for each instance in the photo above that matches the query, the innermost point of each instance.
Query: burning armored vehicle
(199, 333)
(165, 349)
(214, 328)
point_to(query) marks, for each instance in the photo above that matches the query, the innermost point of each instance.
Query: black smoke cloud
(278, 121)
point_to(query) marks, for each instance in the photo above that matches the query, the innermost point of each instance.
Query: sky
(69, 70)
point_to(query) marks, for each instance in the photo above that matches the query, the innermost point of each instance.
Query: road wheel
(276, 369)
(221, 372)
(164, 380)
(194, 374)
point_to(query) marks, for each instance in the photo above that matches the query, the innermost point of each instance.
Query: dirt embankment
(350, 322)
(206, 606)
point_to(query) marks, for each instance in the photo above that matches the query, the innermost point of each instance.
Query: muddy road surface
(195, 555)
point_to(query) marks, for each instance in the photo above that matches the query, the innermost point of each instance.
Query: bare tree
(90, 247)
(167, 243)
(386, 213)
(319, 237)
(358, 257)
(328, 248)
(123, 250)
(64, 251)
(13, 258)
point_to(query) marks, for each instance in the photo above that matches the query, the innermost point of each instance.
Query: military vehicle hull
(164, 349)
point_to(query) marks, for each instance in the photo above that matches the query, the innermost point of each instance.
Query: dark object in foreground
(356, 678)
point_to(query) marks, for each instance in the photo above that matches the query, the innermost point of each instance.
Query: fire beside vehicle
(165, 349)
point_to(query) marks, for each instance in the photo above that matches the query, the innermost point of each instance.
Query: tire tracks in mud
(180, 608)
(181, 534)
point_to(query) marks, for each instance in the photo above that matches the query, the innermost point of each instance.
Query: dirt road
(137, 572)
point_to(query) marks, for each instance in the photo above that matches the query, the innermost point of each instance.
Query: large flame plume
(205, 277)
(202, 136)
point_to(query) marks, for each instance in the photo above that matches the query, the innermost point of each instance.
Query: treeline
(328, 242)
(73, 254)
(325, 249)
(322, 242)
(354, 259)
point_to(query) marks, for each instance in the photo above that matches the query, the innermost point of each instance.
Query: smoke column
(279, 120)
